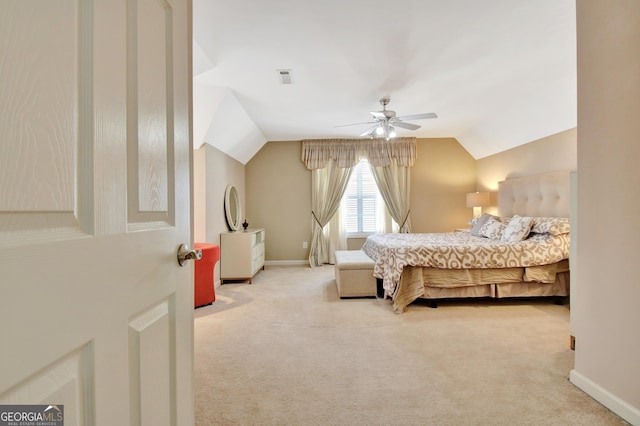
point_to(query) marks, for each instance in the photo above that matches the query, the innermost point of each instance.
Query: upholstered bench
(354, 274)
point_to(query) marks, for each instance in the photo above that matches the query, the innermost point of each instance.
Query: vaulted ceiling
(498, 73)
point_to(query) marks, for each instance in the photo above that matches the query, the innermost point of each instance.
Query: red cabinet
(204, 291)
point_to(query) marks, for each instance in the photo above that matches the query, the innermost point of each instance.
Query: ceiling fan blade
(378, 114)
(356, 124)
(369, 131)
(406, 125)
(418, 116)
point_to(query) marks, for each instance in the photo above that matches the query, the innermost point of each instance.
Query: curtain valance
(316, 153)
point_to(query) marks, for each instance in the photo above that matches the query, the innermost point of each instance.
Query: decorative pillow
(492, 229)
(504, 219)
(551, 225)
(475, 229)
(517, 229)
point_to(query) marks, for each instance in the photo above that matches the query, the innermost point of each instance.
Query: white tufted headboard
(545, 195)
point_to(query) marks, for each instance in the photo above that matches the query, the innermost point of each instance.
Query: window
(361, 201)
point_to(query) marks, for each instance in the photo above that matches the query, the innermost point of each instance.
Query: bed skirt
(413, 286)
(522, 289)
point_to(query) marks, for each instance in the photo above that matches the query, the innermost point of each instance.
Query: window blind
(361, 200)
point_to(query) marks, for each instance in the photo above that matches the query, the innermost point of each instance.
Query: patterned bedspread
(458, 250)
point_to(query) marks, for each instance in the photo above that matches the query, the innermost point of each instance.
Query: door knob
(184, 254)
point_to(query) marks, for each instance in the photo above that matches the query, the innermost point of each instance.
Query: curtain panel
(346, 153)
(327, 188)
(394, 186)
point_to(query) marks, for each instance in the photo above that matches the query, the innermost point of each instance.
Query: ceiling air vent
(285, 76)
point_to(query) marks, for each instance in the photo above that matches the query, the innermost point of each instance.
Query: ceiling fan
(386, 121)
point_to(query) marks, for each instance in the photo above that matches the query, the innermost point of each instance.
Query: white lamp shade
(478, 199)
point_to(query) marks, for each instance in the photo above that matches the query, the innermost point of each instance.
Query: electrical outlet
(304, 245)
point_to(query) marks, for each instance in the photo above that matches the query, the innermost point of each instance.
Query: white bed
(461, 265)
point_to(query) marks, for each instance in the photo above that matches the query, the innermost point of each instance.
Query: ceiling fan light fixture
(392, 132)
(379, 130)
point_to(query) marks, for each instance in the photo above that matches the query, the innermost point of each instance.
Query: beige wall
(441, 177)
(607, 355)
(555, 152)
(279, 199)
(199, 195)
(213, 170)
(279, 194)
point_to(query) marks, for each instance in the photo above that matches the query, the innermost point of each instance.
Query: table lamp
(478, 200)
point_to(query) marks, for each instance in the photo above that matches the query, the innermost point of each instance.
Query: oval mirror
(232, 207)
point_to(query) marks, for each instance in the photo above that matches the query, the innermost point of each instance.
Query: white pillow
(551, 225)
(517, 229)
(492, 229)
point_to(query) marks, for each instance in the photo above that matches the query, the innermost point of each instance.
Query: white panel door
(95, 312)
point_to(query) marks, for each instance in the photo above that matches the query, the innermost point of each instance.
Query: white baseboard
(606, 398)
(286, 262)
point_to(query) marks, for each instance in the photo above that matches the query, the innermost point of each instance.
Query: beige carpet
(287, 351)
